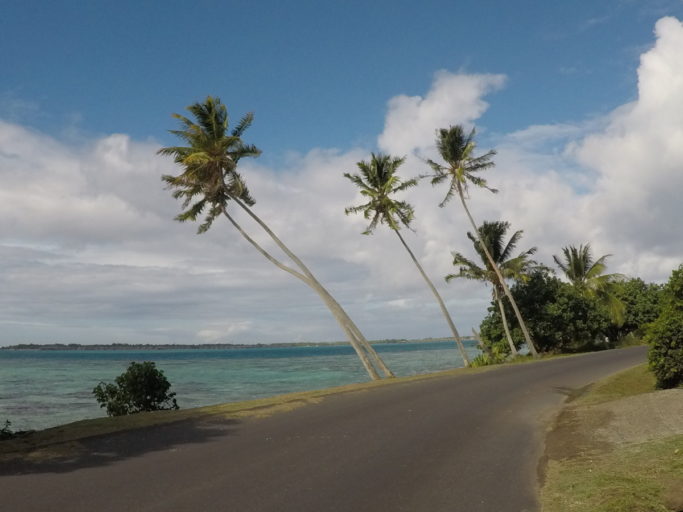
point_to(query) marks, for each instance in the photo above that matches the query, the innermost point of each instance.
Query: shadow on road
(111, 448)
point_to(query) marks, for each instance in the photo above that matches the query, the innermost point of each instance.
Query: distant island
(205, 346)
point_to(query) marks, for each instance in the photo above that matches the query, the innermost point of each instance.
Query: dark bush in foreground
(141, 388)
(6, 431)
(665, 335)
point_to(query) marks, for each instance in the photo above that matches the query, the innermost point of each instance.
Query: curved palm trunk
(324, 294)
(449, 320)
(363, 349)
(527, 337)
(496, 296)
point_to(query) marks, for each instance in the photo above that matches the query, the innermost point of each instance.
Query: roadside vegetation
(665, 335)
(141, 388)
(588, 473)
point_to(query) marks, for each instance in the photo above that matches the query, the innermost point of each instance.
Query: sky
(584, 107)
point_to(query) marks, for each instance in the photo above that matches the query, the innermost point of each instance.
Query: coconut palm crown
(587, 275)
(493, 234)
(378, 182)
(461, 167)
(209, 161)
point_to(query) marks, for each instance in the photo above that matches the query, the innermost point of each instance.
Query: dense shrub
(6, 431)
(642, 305)
(558, 317)
(141, 388)
(665, 335)
(495, 353)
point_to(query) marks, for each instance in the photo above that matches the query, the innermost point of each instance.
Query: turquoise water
(40, 389)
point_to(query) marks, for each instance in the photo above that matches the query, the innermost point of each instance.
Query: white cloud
(453, 99)
(90, 253)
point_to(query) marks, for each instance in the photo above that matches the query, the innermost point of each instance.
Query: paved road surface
(467, 444)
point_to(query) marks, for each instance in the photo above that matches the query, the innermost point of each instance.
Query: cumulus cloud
(452, 99)
(90, 252)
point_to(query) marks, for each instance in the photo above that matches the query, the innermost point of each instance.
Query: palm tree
(493, 234)
(378, 182)
(588, 277)
(210, 180)
(460, 169)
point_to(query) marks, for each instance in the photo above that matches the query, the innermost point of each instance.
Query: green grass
(630, 382)
(645, 477)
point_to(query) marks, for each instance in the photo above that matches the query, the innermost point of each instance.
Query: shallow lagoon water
(40, 389)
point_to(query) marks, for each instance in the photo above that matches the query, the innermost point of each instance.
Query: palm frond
(209, 161)
(377, 180)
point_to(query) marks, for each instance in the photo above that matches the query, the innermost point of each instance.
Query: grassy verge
(634, 381)
(604, 477)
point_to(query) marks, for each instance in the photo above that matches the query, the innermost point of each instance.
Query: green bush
(6, 431)
(497, 353)
(665, 335)
(643, 304)
(141, 388)
(558, 317)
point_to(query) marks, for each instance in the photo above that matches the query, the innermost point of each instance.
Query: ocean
(41, 389)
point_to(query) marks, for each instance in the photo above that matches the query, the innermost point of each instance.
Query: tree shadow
(110, 448)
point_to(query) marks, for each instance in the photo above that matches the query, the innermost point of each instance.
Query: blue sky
(581, 100)
(316, 73)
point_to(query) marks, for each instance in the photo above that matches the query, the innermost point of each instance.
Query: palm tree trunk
(480, 343)
(496, 295)
(527, 337)
(324, 294)
(365, 360)
(449, 320)
(357, 340)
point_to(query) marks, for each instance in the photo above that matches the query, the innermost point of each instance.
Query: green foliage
(642, 305)
(497, 353)
(6, 431)
(587, 275)
(492, 235)
(665, 335)
(461, 166)
(378, 182)
(560, 318)
(141, 388)
(209, 162)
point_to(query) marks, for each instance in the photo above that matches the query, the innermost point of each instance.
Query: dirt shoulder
(610, 452)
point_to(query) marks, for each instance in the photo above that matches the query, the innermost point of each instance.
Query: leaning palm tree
(493, 234)
(460, 169)
(378, 182)
(588, 277)
(210, 180)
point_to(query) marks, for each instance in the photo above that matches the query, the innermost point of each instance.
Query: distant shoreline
(205, 346)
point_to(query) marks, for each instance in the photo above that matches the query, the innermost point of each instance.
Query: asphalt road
(469, 443)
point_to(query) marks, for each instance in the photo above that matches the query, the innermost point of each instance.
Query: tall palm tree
(493, 235)
(460, 170)
(210, 180)
(378, 182)
(587, 275)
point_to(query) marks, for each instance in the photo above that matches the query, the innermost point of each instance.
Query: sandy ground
(641, 418)
(584, 429)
